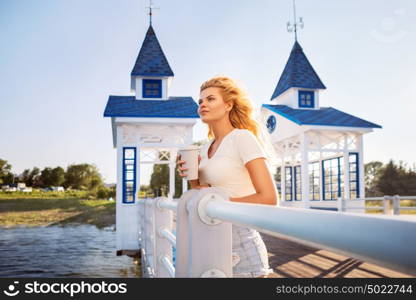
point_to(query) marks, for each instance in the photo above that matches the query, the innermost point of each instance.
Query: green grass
(41, 194)
(32, 210)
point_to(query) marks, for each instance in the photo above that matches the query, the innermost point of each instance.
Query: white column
(360, 165)
(321, 178)
(283, 182)
(119, 194)
(172, 165)
(292, 177)
(346, 168)
(304, 142)
(138, 166)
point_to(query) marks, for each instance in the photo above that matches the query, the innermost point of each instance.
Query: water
(71, 251)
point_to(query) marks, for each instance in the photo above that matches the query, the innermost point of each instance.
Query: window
(288, 183)
(152, 88)
(314, 181)
(271, 123)
(333, 183)
(353, 173)
(306, 99)
(129, 174)
(298, 183)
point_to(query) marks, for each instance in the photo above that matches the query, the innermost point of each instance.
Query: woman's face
(212, 106)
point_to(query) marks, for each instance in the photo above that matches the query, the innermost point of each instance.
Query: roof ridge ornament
(151, 7)
(293, 27)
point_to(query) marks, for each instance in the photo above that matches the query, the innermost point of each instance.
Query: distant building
(21, 185)
(57, 188)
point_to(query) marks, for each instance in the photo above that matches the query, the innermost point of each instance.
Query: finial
(151, 7)
(294, 26)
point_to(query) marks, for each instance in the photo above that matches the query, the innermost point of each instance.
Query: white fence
(203, 240)
(389, 204)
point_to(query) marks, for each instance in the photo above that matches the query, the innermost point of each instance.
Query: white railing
(390, 204)
(203, 239)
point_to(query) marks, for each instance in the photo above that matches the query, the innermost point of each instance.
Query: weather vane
(151, 7)
(296, 23)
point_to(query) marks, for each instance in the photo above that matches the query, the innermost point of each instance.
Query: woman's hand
(180, 162)
(194, 183)
(201, 186)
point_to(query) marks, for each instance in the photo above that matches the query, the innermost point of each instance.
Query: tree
(57, 176)
(372, 172)
(83, 177)
(391, 178)
(159, 180)
(9, 178)
(278, 174)
(25, 176)
(31, 177)
(45, 177)
(5, 170)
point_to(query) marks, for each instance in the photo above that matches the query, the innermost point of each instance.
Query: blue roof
(128, 106)
(151, 60)
(298, 72)
(325, 116)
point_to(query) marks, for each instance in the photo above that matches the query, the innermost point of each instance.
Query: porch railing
(203, 237)
(389, 204)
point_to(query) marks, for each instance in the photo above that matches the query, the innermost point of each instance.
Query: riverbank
(58, 210)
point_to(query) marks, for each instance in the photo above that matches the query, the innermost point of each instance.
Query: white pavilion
(320, 148)
(148, 128)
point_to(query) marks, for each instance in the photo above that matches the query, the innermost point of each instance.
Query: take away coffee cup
(190, 155)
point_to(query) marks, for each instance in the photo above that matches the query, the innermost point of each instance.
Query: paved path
(292, 260)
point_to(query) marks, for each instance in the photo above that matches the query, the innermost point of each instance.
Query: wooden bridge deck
(293, 260)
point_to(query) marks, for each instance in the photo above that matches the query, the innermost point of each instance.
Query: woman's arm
(263, 183)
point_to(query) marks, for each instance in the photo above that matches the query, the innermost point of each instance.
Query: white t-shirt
(226, 168)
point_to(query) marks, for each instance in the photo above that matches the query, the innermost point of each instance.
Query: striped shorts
(250, 257)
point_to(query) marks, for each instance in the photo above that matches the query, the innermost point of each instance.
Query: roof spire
(294, 26)
(150, 7)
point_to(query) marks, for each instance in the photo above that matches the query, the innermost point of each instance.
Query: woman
(235, 160)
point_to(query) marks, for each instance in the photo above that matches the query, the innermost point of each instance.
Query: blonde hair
(241, 114)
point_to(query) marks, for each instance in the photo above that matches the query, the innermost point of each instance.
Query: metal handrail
(167, 264)
(388, 241)
(168, 204)
(169, 236)
(384, 240)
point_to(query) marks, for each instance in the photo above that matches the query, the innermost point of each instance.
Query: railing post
(141, 242)
(341, 204)
(141, 217)
(210, 240)
(396, 204)
(182, 226)
(387, 206)
(162, 220)
(149, 239)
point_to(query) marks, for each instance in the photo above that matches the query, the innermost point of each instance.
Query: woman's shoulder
(244, 134)
(246, 138)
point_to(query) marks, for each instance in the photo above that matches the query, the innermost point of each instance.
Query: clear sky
(61, 59)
